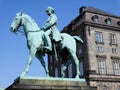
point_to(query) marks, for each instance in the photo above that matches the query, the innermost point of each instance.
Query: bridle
(21, 30)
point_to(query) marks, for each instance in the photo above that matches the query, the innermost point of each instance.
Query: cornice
(102, 26)
(104, 78)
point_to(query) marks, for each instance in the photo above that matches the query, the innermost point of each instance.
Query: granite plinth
(44, 83)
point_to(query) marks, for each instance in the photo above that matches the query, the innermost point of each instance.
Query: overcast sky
(13, 50)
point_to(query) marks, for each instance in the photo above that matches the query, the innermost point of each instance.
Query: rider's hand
(43, 28)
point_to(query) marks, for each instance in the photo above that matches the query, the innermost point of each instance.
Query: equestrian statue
(42, 41)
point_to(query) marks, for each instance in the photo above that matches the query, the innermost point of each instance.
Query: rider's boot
(48, 45)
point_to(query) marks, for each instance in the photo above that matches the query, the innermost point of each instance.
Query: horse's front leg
(41, 59)
(31, 55)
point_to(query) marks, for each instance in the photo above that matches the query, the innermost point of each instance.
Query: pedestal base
(44, 83)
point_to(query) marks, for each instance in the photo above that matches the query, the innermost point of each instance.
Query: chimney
(82, 9)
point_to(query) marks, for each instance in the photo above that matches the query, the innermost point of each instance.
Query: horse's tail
(78, 39)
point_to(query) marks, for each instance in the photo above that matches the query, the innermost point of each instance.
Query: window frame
(81, 68)
(106, 88)
(100, 49)
(70, 71)
(118, 23)
(95, 18)
(98, 37)
(116, 69)
(114, 51)
(102, 66)
(56, 72)
(113, 39)
(108, 21)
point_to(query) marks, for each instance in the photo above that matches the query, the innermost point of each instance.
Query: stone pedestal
(44, 83)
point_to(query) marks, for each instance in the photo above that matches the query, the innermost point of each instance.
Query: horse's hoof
(63, 75)
(23, 74)
(77, 77)
(48, 75)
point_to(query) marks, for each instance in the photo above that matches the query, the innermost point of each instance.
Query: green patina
(39, 43)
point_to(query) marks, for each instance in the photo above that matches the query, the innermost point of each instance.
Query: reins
(30, 31)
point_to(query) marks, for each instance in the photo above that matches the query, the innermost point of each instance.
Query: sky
(13, 49)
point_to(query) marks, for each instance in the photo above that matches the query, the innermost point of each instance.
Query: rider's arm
(52, 21)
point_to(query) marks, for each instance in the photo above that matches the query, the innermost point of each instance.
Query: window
(93, 88)
(51, 67)
(114, 51)
(70, 71)
(106, 88)
(116, 67)
(118, 88)
(51, 58)
(108, 21)
(80, 51)
(95, 18)
(81, 68)
(118, 23)
(113, 39)
(101, 66)
(99, 37)
(56, 72)
(100, 49)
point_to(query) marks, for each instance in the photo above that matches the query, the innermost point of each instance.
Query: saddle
(58, 44)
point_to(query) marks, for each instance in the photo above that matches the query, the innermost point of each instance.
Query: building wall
(91, 57)
(109, 85)
(107, 52)
(94, 55)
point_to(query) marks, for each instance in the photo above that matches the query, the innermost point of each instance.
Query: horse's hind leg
(68, 62)
(41, 59)
(31, 55)
(74, 57)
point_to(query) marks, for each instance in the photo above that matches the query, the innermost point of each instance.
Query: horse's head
(22, 19)
(17, 22)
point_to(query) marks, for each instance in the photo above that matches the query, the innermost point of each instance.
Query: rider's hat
(50, 9)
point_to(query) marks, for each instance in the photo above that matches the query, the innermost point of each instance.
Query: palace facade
(99, 56)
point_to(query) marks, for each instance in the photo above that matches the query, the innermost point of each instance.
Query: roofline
(102, 26)
(103, 14)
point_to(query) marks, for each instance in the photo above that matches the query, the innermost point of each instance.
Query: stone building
(100, 54)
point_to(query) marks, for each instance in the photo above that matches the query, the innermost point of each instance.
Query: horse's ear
(21, 13)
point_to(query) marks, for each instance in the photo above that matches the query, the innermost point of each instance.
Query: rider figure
(51, 29)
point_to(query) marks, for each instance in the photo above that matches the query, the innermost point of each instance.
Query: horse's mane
(27, 17)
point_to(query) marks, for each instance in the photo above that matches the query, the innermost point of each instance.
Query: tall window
(113, 39)
(51, 58)
(116, 67)
(114, 51)
(56, 72)
(99, 37)
(80, 51)
(70, 71)
(101, 66)
(81, 68)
